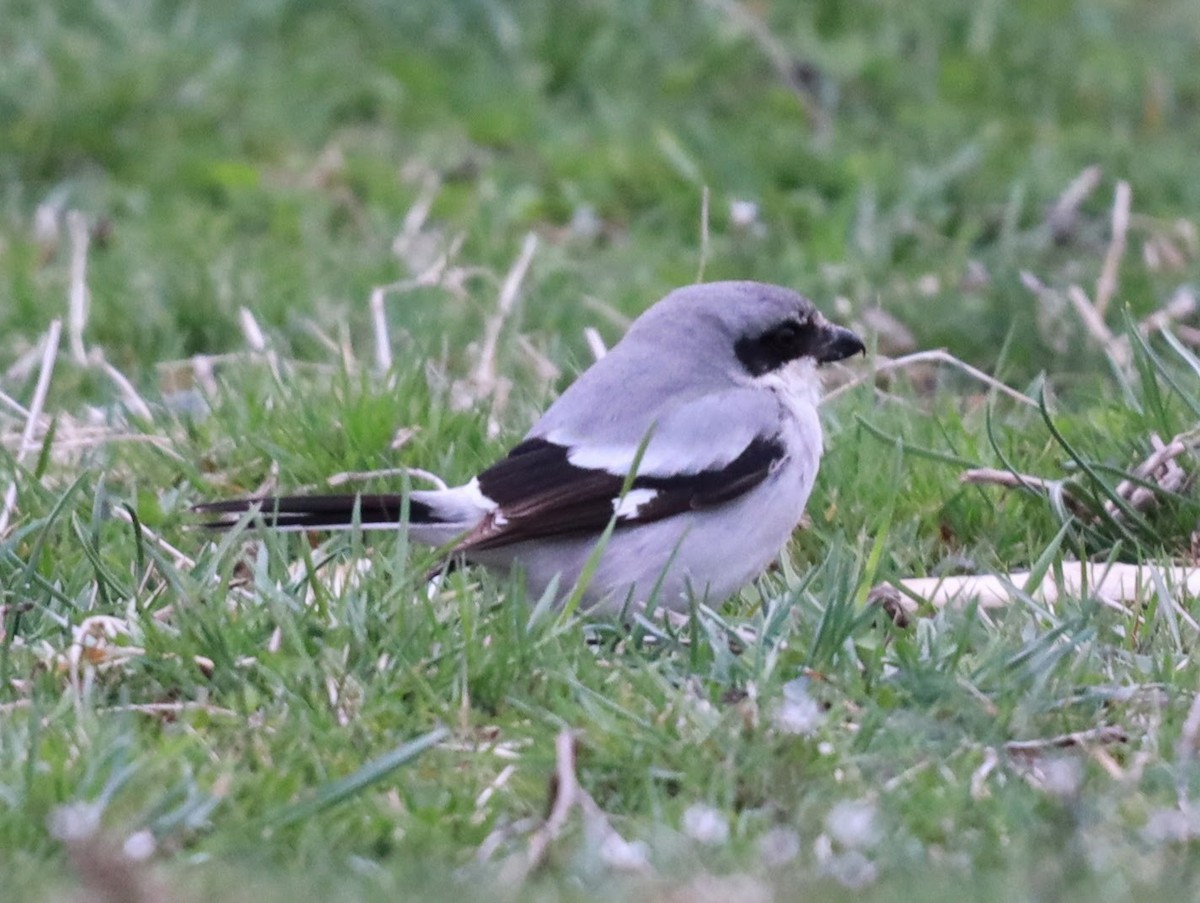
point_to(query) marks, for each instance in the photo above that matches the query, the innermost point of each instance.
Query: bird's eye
(785, 340)
(773, 349)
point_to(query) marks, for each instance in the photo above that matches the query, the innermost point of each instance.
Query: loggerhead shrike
(715, 385)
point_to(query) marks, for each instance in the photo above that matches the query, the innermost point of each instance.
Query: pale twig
(615, 317)
(936, 356)
(564, 790)
(24, 365)
(66, 441)
(253, 334)
(1186, 748)
(547, 371)
(15, 406)
(567, 794)
(1180, 306)
(1160, 468)
(1105, 733)
(489, 791)
(1011, 480)
(40, 389)
(703, 234)
(595, 342)
(170, 708)
(1113, 585)
(418, 213)
(1117, 347)
(429, 277)
(484, 378)
(379, 329)
(78, 305)
(358, 476)
(1062, 216)
(1007, 478)
(136, 404)
(1106, 284)
(182, 561)
(77, 295)
(979, 789)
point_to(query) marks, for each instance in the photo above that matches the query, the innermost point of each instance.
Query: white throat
(798, 384)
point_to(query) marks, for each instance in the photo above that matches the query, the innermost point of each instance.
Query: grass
(253, 706)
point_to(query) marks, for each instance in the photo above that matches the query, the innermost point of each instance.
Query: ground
(286, 242)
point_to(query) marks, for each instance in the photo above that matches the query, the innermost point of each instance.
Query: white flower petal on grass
(778, 846)
(853, 824)
(1062, 776)
(139, 846)
(705, 825)
(797, 713)
(851, 869)
(743, 214)
(625, 856)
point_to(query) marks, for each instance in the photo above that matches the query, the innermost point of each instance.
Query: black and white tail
(435, 517)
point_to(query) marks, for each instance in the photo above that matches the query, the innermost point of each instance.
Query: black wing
(539, 493)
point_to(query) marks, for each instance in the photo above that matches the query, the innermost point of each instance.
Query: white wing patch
(627, 508)
(706, 433)
(660, 459)
(474, 495)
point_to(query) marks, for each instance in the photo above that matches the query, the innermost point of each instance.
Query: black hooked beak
(837, 343)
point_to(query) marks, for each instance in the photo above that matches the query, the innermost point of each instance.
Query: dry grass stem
(1160, 468)
(78, 298)
(1186, 748)
(1007, 478)
(566, 794)
(180, 560)
(936, 356)
(1115, 585)
(13, 405)
(255, 340)
(595, 342)
(1117, 347)
(129, 395)
(704, 236)
(1011, 480)
(379, 331)
(484, 379)
(490, 790)
(979, 788)
(417, 215)
(1063, 216)
(435, 274)
(170, 708)
(1104, 734)
(545, 369)
(359, 476)
(1106, 284)
(1180, 306)
(40, 389)
(611, 314)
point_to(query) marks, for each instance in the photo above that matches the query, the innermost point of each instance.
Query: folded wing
(706, 454)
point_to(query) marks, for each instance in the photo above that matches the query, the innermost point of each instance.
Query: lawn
(289, 245)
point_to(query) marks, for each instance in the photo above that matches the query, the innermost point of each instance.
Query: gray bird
(716, 386)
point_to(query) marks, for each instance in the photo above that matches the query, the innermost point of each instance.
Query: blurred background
(287, 157)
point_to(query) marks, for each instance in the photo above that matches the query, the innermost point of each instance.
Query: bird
(678, 464)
